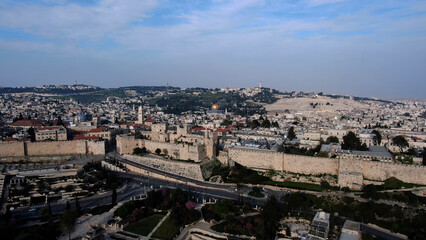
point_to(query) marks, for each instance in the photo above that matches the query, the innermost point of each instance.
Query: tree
(275, 124)
(49, 208)
(378, 137)
(137, 151)
(69, 188)
(291, 135)
(325, 185)
(31, 132)
(114, 196)
(351, 142)
(271, 213)
(60, 122)
(332, 139)
(254, 124)
(67, 221)
(158, 151)
(424, 156)
(400, 141)
(266, 123)
(77, 205)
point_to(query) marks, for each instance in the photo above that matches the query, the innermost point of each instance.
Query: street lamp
(147, 172)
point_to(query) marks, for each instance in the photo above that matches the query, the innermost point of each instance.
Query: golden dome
(215, 106)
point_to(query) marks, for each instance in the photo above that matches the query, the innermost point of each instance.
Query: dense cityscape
(84, 162)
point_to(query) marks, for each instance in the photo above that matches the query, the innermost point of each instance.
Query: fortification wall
(310, 165)
(181, 151)
(381, 171)
(126, 144)
(186, 169)
(96, 147)
(12, 149)
(61, 147)
(257, 158)
(351, 171)
(223, 157)
(20, 149)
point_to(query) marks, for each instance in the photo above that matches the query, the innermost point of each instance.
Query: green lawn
(256, 194)
(167, 230)
(296, 185)
(144, 227)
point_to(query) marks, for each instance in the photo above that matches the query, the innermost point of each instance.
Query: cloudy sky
(374, 48)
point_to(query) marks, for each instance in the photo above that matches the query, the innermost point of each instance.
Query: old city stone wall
(126, 144)
(96, 147)
(12, 149)
(351, 172)
(381, 171)
(52, 148)
(181, 151)
(269, 159)
(195, 152)
(310, 165)
(186, 169)
(61, 147)
(257, 158)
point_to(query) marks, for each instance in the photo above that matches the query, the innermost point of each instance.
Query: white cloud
(321, 2)
(72, 21)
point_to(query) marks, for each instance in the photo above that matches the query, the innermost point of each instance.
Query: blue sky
(374, 48)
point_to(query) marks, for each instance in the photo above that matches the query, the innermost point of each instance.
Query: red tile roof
(99, 129)
(10, 139)
(47, 128)
(223, 130)
(27, 123)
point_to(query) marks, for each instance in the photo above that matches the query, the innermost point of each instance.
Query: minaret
(140, 115)
(260, 85)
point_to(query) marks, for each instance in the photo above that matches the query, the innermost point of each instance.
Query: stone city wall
(12, 149)
(181, 151)
(310, 165)
(96, 147)
(381, 171)
(351, 172)
(126, 144)
(61, 147)
(20, 149)
(257, 158)
(185, 169)
(195, 152)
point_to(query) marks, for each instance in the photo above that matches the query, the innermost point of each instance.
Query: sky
(371, 48)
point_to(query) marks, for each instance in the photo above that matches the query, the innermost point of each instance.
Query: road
(137, 185)
(277, 192)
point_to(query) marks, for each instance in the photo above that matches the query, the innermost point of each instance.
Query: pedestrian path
(159, 224)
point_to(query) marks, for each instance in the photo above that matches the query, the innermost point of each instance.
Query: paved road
(137, 185)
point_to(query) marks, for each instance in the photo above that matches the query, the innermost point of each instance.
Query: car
(67, 200)
(32, 210)
(79, 221)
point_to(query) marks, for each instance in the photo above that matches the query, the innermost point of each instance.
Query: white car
(32, 210)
